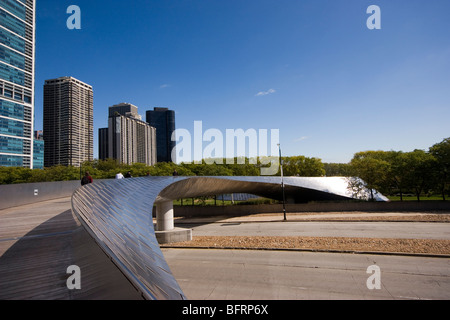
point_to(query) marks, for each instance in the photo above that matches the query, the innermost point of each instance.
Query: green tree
(62, 173)
(337, 169)
(107, 165)
(212, 170)
(441, 152)
(419, 171)
(245, 169)
(399, 168)
(9, 175)
(163, 169)
(39, 175)
(372, 170)
(303, 166)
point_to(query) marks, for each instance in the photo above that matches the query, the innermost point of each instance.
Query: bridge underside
(213, 186)
(298, 189)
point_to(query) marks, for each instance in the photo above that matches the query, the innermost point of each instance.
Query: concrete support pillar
(165, 230)
(164, 216)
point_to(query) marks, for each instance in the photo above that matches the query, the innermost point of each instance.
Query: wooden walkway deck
(37, 244)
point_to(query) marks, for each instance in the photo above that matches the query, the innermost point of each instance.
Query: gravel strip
(411, 246)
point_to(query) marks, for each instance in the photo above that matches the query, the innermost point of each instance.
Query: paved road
(274, 275)
(408, 230)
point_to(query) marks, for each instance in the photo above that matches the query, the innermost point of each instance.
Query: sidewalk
(322, 216)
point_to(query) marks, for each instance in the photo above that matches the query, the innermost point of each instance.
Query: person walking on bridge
(86, 179)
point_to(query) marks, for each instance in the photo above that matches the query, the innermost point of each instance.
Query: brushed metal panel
(118, 215)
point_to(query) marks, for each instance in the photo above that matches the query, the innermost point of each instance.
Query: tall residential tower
(68, 122)
(17, 65)
(127, 139)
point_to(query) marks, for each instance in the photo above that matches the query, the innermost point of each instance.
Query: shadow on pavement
(35, 266)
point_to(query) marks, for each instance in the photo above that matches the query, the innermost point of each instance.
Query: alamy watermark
(213, 147)
(74, 280)
(374, 21)
(374, 281)
(74, 21)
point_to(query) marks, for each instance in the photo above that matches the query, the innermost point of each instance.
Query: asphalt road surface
(408, 230)
(279, 275)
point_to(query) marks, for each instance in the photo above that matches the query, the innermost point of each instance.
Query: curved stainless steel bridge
(118, 216)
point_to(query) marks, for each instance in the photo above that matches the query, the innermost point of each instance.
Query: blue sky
(310, 68)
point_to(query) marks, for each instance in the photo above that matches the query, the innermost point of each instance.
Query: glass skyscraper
(163, 120)
(38, 150)
(17, 65)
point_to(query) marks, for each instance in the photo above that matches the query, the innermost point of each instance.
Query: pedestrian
(119, 175)
(175, 173)
(86, 179)
(128, 175)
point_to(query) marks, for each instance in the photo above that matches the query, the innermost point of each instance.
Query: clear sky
(310, 68)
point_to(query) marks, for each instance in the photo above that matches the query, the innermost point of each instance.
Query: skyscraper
(103, 143)
(163, 120)
(127, 138)
(38, 150)
(68, 122)
(17, 65)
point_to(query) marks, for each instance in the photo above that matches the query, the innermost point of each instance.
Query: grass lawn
(414, 198)
(219, 202)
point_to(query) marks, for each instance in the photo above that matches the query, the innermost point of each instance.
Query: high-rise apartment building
(68, 122)
(127, 139)
(38, 150)
(124, 109)
(163, 120)
(103, 144)
(17, 65)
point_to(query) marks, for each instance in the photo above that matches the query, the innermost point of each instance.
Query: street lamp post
(282, 184)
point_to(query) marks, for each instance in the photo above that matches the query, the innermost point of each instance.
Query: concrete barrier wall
(13, 195)
(240, 210)
(20, 194)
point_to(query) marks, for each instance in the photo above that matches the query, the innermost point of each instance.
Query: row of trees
(395, 172)
(107, 169)
(390, 172)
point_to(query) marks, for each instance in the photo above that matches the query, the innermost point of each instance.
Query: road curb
(424, 255)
